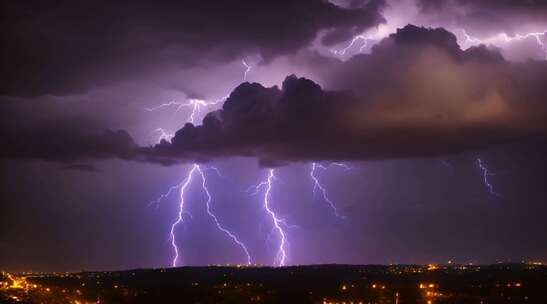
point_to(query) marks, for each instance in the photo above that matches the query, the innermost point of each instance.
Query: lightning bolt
(485, 176)
(165, 195)
(497, 39)
(194, 103)
(163, 135)
(317, 185)
(364, 39)
(356, 39)
(248, 68)
(196, 106)
(215, 219)
(281, 255)
(196, 169)
(180, 212)
(504, 38)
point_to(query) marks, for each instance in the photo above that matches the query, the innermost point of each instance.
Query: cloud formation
(417, 94)
(487, 17)
(81, 167)
(64, 47)
(66, 142)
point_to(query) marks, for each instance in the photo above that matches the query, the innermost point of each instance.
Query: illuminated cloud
(418, 94)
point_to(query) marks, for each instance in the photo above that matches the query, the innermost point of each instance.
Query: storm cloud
(487, 17)
(66, 47)
(90, 87)
(417, 94)
(59, 143)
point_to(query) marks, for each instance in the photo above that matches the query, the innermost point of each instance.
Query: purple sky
(410, 109)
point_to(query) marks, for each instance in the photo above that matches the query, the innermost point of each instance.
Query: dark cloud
(63, 47)
(417, 94)
(81, 167)
(486, 17)
(64, 142)
(486, 4)
(56, 131)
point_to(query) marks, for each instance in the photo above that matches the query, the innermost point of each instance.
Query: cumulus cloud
(417, 94)
(63, 47)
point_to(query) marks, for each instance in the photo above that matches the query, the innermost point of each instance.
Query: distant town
(341, 284)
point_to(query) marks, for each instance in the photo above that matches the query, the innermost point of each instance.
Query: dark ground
(499, 283)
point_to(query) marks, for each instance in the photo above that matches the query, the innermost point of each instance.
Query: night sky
(424, 123)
